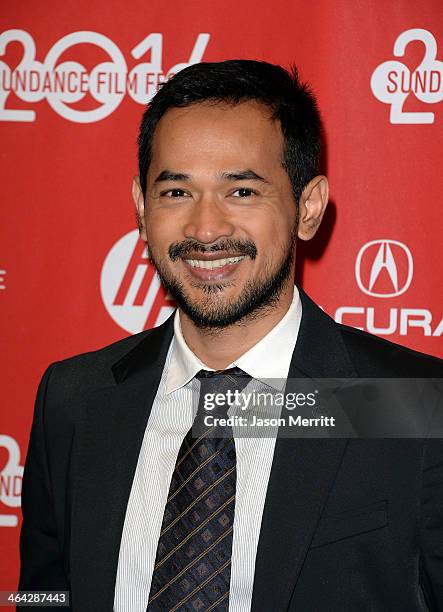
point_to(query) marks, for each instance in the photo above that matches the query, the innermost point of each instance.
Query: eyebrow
(238, 175)
(168, 175)
(243, 175)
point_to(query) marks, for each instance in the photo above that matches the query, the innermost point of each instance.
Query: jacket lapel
(303, 470)
(110, 438)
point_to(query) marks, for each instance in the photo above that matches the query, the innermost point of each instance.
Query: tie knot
(219, 373)
(232, 378)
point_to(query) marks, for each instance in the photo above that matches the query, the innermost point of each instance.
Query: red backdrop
(73, 79)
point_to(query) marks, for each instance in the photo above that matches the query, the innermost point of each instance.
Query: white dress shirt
(170, 419)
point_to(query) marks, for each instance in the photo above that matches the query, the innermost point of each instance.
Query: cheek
(271, 231)
(160, 230)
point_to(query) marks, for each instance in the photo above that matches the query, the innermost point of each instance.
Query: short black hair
(236, 81)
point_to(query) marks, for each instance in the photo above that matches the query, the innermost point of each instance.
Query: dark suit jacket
(348, 524)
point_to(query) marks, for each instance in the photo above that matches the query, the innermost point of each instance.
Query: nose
(208, 221)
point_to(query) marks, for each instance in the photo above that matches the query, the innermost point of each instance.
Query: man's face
(220, 217)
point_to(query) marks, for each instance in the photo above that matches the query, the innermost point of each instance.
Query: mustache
(243, 247)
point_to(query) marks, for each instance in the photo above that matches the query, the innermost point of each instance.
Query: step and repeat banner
(74, 80)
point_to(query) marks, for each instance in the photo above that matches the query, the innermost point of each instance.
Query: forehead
(217, 134)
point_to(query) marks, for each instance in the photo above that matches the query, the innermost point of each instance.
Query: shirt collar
(268, 360)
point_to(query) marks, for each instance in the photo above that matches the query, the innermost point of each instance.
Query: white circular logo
(10, 480)
(392, 82)
(130, 287)
(384, 268)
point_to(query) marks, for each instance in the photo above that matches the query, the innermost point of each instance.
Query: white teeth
(211, 265)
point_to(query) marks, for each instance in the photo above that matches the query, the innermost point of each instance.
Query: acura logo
(384, 268)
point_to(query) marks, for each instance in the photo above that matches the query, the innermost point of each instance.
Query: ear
(312, 206)
(139, 201)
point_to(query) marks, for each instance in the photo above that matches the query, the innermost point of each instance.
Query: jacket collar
(149, 353)
(320, 351)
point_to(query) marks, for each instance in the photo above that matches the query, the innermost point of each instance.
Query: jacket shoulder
(374, 356)
(80, 373)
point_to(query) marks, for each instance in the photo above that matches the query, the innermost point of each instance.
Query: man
(228, 179)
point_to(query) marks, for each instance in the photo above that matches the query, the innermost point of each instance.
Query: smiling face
(220, 218)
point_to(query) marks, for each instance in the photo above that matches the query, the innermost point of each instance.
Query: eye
(244, 192)
(173, 193)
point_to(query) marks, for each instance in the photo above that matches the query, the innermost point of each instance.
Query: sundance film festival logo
(10, 481)
(384, 268)
(64, 83)
(130, 288)
(393, 82)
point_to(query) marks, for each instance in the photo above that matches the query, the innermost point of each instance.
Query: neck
(218, 347)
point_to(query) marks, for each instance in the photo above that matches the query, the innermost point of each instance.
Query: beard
(257, 296)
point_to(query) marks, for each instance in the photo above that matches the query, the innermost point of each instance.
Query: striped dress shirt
(172, 413)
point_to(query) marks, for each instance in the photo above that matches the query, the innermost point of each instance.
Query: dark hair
(235, 81)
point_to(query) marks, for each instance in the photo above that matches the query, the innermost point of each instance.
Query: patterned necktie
(193, 563)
